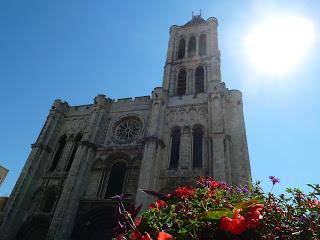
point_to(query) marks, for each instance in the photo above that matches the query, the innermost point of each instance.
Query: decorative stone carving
(127, 130)
(187, 113)
(74, 125)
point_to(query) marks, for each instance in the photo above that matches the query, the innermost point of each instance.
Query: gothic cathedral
(191, 126)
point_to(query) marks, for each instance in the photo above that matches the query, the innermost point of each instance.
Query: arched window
(49, 199)
(175, 148)
(73, 152)
(116, 179)
(182, 48)
(197, 147)
(202, 45)
(182, 82)
(61, 144)
(192, 47)
(199, 83)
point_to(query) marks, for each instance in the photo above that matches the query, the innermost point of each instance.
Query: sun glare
(276, 45)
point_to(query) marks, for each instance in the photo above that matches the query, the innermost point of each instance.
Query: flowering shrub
(215, 210)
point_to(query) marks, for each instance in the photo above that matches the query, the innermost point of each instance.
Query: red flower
(138, 221)
(254, 216)
(136, 235)
(146, 236)
(158, 204)
(239, 224)
(185, 192)
(120, 237)
(236, 225)
(164, 236)
(214, 184)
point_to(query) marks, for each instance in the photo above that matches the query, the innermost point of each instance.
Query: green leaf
(217, 214)
(182, 231)
(245, 204)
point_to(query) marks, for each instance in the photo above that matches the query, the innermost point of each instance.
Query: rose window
(128, 130)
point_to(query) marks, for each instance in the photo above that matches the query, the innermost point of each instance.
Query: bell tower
(193, 57)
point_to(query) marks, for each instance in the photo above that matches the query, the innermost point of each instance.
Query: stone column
(190, 81)
(66, 210)
(239, 155)
(67, 206)
(149, 171)
(187, 48)
(18, 205)
(185, 148)
(197, 46)
(216, 132)
(170, 57)
(219, 167)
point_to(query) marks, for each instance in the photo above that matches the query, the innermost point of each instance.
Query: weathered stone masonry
(191, 126)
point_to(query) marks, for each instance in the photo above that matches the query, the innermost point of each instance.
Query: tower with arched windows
(191, 126)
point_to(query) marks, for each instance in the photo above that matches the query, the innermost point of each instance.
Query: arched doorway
(96, 224)
(34, 229)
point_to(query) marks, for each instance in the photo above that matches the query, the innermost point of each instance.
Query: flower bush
(215, 210)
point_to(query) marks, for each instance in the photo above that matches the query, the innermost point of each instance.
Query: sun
(276, 45)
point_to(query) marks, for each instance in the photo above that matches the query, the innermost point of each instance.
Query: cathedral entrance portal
(35, 229)
(96, 224)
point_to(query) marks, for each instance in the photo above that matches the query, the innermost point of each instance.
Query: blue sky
(74, 50)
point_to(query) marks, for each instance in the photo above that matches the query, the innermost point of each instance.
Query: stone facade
(3, 174)
(191, 126)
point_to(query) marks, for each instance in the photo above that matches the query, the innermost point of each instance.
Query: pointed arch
(175, 148)
(61, 145)
(197, 146)
(73, 152)
(192, 46)
(97, 223)
(49, 198)
(34, 229)
(182, 48)
(202, 45)
(116, 179)
(182, 82)
(199, 82)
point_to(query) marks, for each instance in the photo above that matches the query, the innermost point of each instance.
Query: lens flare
(276, 45)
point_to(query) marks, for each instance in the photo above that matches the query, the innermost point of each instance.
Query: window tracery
(128, 130)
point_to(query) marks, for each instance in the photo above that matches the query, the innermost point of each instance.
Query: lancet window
(197, 146)
(61, 144)
(182, 48)
(182, 82)
(116, 179)
(73, 152)
(175, 148)
(192, 47)
(199, 82)
(50, 196)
